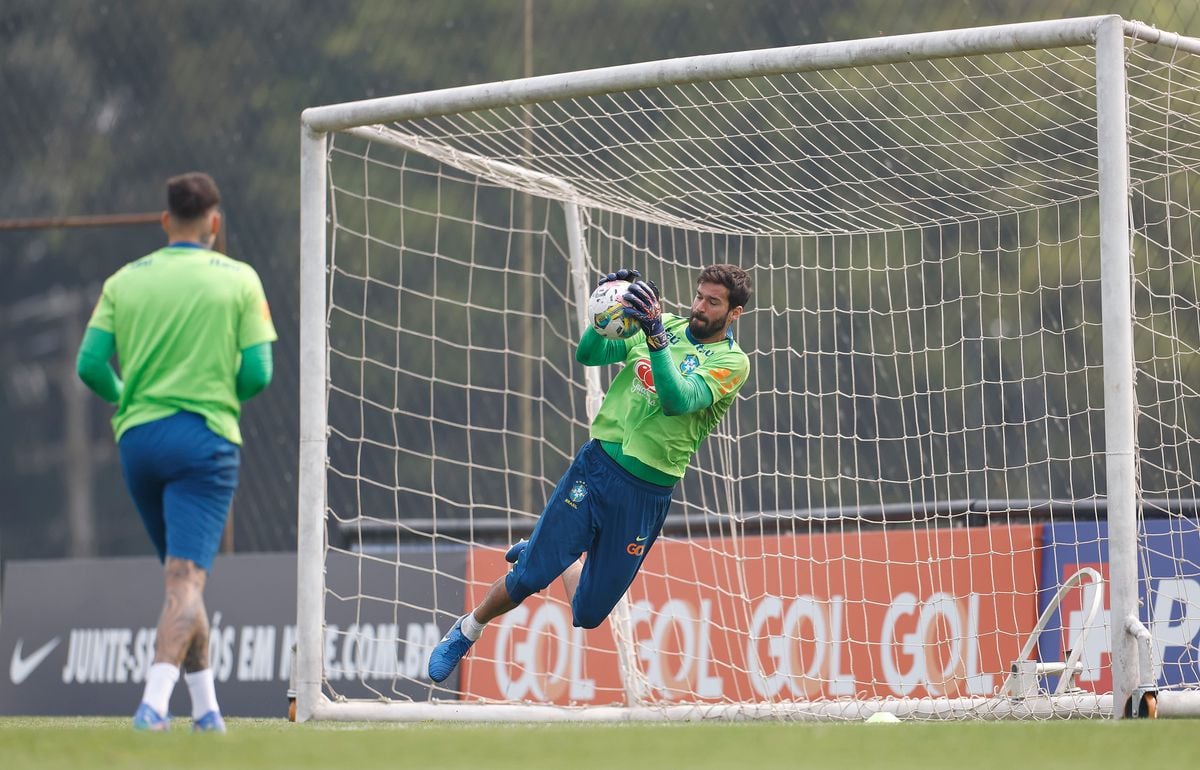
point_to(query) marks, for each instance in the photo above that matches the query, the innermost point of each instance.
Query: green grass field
(46, 743)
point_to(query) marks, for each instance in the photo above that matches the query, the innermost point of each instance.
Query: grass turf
(74, 743)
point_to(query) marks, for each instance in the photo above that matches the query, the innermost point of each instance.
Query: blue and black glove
(623, 274)
(643, 306)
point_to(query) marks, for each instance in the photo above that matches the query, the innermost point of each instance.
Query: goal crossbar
(1023, 36)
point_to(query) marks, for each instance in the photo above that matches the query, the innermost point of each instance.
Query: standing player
(192, 333)
(679, 379)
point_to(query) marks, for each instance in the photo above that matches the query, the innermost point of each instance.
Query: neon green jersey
(632, 417)
(181, 317)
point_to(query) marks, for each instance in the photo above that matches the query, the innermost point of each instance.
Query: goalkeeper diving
(680, 376)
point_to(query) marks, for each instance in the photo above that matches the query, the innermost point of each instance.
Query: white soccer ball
(607, 311)
(882, 717)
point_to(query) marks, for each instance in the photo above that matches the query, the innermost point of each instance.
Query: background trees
(101, 102)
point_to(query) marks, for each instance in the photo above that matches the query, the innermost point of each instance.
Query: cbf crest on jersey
(689, 363)
(578, 491)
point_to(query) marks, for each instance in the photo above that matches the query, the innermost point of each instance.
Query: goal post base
(1171, 704)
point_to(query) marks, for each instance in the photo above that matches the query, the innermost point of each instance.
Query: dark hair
(731, 277)
(191, 195)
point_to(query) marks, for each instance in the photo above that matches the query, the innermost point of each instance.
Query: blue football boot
(146, 718)
(449, 652)
(209, 723)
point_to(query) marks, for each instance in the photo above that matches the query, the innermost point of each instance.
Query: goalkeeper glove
(623, 274)
(643, 306)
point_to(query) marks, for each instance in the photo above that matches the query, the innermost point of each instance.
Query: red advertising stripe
(938, 612)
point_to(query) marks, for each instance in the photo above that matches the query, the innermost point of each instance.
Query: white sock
(160, 682)
(471, 628)
(203, 692)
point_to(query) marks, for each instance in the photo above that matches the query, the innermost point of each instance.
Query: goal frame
(1107, 33)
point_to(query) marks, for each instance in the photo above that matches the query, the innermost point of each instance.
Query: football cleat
(209, 723)
(448, 652)
(146, 718)
(514, 552)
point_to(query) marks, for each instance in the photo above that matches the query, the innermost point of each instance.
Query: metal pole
(98, 220)
(77, 443)
(525, 372)
(310, 546)
(577, 247)
(694, 69)
(1116, 313)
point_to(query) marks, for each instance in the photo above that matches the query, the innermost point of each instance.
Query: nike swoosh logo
(641, 538)
(20, 668)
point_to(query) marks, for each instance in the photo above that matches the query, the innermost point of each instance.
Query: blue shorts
(600, 508)
(182, 477)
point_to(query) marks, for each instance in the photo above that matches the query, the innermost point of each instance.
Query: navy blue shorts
(600, 508)
(182, 477)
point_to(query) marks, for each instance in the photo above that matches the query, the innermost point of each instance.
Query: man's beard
(702, 330)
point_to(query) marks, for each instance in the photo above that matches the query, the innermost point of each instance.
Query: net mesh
(918, 456)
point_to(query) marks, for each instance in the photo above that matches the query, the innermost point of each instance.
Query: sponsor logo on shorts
(635, 549)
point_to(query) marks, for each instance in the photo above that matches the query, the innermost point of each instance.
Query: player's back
(177, 318)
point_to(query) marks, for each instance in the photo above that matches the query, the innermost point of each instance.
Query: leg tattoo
(183, 620)
(196, 657)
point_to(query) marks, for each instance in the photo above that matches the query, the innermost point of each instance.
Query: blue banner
(1168, 592)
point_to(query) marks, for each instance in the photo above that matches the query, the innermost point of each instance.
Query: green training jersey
(181, 317)
(632, 417)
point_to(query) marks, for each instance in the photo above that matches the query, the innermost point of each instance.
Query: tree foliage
(103, 101)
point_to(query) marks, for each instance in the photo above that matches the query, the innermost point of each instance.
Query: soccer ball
(607, 311)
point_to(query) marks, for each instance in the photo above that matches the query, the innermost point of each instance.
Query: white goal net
(962, 478)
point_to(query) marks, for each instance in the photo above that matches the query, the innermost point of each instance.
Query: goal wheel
(1149, 708)
(1147, 704)
(291, 709)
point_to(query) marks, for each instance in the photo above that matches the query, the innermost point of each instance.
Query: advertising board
(939, 612)
(78, 635)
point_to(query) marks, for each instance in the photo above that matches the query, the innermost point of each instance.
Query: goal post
(960, 482)
(1116, 288)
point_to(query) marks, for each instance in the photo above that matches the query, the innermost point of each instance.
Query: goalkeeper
(680, 377)
(192, 333)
